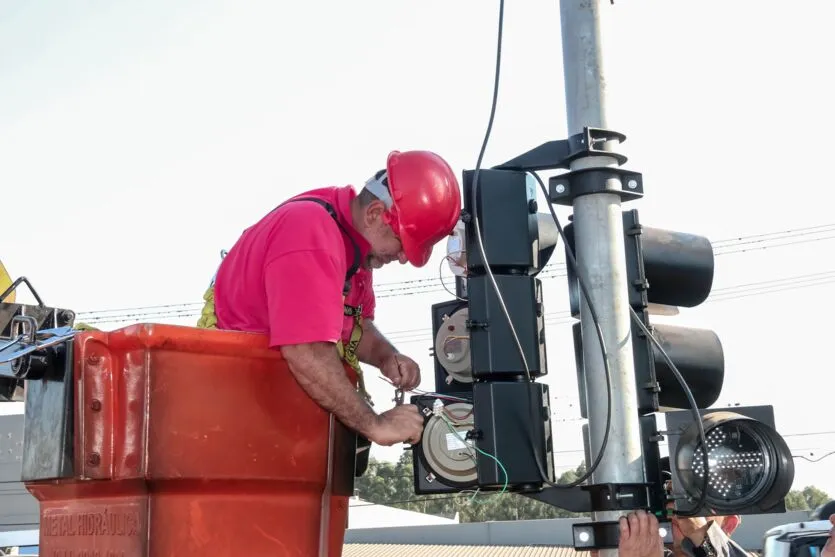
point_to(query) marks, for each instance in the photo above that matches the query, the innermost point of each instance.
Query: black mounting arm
(650, 496)
(561, 152)
(596, 497)
(566, 187)
(602, 497)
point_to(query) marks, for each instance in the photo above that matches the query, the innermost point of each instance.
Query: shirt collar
(344, 197)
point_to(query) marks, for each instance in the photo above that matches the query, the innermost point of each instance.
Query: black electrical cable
(476, 173)
(688, 393)
(679, 377)
(499, 296)
(694, 407)
(584, 289)
(596, 320)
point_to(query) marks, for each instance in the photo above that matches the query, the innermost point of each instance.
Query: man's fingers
(653, 525)
(624, 529)
(408, 372)
(643, 520)
(414, 414)
(654, 533)
(639, 535)
(417, 422)
(409, 375)
(634, 525)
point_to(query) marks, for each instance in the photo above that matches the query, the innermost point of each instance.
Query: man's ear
(731, 523)
(374, 212)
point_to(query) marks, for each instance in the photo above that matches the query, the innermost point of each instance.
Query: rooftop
(410, 550)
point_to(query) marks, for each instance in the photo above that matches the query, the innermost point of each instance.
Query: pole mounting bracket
(563, 189)
(619, 497)
(560, 153)
(606, 534)
(596, 497)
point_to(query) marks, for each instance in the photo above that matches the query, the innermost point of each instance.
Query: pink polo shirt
(284, 276)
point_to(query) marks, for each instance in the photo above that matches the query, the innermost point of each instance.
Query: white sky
(137, 139)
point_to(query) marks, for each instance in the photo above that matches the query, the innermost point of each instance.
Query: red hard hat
(426, 201)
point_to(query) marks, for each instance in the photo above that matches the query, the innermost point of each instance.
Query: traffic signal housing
(750, 469)
(487, 426)
(451, 347)
(678, 370)
(747, 467)
(665, 270)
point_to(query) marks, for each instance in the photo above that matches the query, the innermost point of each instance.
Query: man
(829, 549)
(303, 276)
(706, 536)
(700, 536)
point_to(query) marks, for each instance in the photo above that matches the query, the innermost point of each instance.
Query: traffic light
(489, 426)
(665, 270)
(749, 466)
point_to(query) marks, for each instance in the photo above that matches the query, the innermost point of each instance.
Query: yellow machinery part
(5, 282)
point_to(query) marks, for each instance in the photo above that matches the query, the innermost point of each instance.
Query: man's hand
(375, 350)
(639, 536)
(400, 424)
(402, 371)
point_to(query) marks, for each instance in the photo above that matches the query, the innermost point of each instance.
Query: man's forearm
(318, 370)
(374, 348)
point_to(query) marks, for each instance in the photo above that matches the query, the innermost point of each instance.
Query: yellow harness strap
(208, 320)
(349, 353)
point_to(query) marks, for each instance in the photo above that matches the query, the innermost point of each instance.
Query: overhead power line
(434, 284)
(415, 335)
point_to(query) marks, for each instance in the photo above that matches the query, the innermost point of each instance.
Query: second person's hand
(639, 536)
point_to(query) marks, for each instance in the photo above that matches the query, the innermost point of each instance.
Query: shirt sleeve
(303, 281)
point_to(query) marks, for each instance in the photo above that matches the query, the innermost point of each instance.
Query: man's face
(686, 526)
(385, 245)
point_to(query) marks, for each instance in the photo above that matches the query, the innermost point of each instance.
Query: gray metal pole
(600, 253)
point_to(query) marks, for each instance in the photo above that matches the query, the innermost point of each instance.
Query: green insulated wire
(454, 432)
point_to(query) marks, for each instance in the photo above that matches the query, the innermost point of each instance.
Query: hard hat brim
(417, 254)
